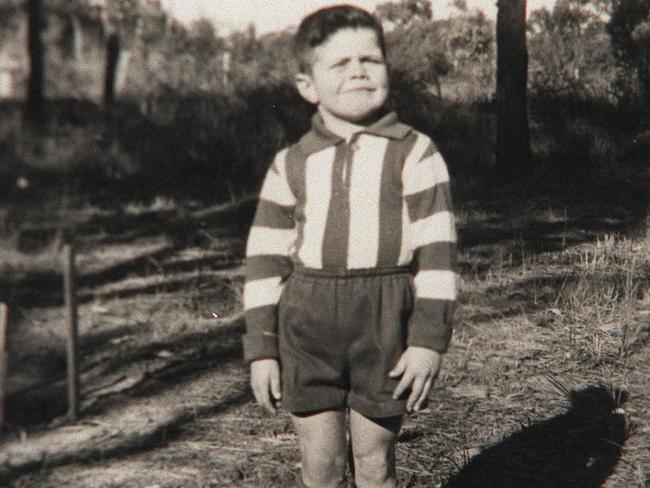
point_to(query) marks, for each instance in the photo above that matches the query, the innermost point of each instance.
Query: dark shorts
(340, 335)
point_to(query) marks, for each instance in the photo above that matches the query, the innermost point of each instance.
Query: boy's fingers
(423, 395)
(276, 391)
(257, 391)
(399, 368)
(262, 396)
(416, 391)
(402, 386)
(265, 382)
(266, 403)
(258, 396)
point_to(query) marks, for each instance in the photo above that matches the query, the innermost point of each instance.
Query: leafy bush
(629, 28)
(571, 53)
(232, 138)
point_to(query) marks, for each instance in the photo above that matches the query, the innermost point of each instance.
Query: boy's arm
(433, 239)
(267, 261)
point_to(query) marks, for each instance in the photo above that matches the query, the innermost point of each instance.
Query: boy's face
(349, 77)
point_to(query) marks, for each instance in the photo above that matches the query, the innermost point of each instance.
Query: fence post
(4, 326)
(70, 289)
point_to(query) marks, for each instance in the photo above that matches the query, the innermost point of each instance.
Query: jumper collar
(320, 137)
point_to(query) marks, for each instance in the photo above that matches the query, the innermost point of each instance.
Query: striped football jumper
(381, 199)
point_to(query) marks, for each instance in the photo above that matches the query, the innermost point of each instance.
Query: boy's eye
(341, 63)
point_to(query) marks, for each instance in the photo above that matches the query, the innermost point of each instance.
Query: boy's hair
(317, 27)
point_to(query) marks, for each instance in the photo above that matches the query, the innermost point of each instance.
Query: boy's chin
(364, 119)
(372, 117)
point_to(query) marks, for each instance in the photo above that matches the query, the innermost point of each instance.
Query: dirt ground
(547, 383)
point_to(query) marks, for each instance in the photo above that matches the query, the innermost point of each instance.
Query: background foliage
(204, 112)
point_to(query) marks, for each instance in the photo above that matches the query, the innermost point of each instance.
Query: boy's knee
(324, 469)
(374, 467)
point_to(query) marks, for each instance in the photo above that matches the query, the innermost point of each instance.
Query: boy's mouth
(360, 89)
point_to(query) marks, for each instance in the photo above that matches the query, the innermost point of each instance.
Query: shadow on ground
(578, 449)
(545, 224)
(34, 288)
(192, 354)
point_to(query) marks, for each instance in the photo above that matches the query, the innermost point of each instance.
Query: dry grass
(546, 384)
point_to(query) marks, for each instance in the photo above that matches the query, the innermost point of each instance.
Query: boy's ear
(306, 88)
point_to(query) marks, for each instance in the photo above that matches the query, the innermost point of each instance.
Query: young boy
(350, 261)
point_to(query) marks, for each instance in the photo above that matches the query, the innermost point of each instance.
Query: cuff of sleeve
(259, 347)
(260, 340)
(430, 325)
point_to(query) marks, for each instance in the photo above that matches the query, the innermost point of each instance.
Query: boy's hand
(265, 381)
(418, 367)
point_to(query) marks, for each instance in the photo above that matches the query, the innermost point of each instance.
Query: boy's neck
(341, 127)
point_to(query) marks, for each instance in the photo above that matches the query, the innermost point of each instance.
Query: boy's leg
(323, 448)
(373, 447)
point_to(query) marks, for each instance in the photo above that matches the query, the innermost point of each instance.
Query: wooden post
(71, 315)
(4, 325)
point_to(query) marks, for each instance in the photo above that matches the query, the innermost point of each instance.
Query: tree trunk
(112, 57)
(513, 138)
(36, 82)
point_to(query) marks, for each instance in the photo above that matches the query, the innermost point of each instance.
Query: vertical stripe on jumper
(296, 170)
(392, 210)
(368, 161)
(318, 193)
(335, 240)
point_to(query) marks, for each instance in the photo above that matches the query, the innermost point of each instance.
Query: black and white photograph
(325, 243)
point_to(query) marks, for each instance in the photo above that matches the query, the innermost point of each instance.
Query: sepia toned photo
(325, 244)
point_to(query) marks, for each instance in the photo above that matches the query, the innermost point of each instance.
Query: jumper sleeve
(433, 240)
(268, 265)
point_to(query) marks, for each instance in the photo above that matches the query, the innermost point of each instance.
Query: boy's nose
(357, 69)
